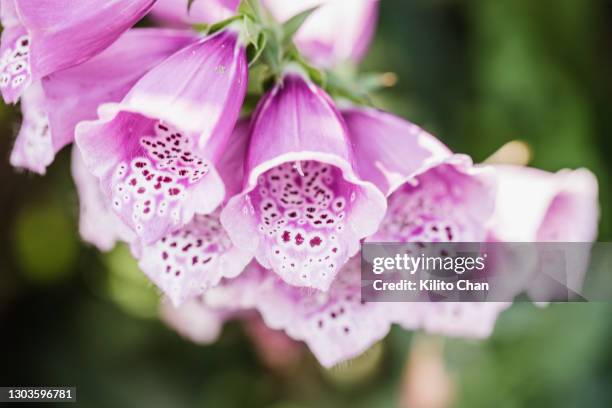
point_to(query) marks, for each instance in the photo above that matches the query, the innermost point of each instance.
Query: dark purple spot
(316, 241)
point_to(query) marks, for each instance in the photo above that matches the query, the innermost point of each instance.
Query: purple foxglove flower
(335, 32)
(433, 195)
(190, 260)
(41, 37)
(53, 107)
(98, 224)
(335, 324)
(391, 150)
(175, 13)
(451, 202)
(155, 152)
(303, 208)
(562, 206)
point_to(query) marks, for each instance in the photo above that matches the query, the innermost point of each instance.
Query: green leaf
(294, 23)
(222, 24)
(273, 52)
(247, 8)
(201, 28)
(257, 48)
(317, 75)
(250, 30)
(351, 90)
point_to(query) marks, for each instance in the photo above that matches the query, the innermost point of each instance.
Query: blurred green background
(476, 73)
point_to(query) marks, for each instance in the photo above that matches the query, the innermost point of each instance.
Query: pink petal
(561, 206)
(153, 192)
(335, 32)
(51, 112)
(444, 202)
(335, 325)
(390, 150)
(8, 14)
(155, 152)
(194, 320)
(98, 224)
(33, 148)
(200, 89)
(303, 209)
(175, 13)
(15, 49)
(107, 78)
(187, 262)
(231, 163)
(451, 202)
(65, 33)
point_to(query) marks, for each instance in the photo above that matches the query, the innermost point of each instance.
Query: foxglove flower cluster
(262, 212)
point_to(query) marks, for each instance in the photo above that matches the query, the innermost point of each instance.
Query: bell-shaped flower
(335, 32)
(155, 152)
(390, 149)
(176, 13)
(194, 258)
(561, 207)
(433, 195)
(303, 208)
(451, 202)
(54, 106)
(43, 36)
